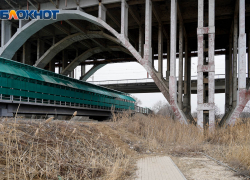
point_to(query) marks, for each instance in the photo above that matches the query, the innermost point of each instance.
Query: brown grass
(59, 150)
(161, 134)
(50, 149)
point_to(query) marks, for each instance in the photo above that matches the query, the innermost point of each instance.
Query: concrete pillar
(242, 47)
(187, 80)
(124, 18)
(52, 65)
(5, 32)
(40, 48)
(248, 55)
(242, 94)
(26, 59)
(173, 38)
(148, 31)
(230, 70)
(227, 82)
(22, 23)
(211, 82)
(235, 60)
(82, 70)
(72, 74)
(180, 82)
(168, 59)
(160, 49)
(141, 41)
(102, 12)
(64, 59)
(205, 105)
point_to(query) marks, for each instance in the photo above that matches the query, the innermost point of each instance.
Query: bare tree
(163, 109)
(137, 101)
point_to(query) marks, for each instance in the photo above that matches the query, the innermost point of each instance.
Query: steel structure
(106, 31)
(31, 86)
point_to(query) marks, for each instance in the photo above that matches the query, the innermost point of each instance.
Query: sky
(133, 70)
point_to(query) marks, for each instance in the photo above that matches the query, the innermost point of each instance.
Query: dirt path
(202, 168)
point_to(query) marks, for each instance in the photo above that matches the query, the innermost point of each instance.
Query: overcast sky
(133, 70)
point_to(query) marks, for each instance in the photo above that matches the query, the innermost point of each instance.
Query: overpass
(112, 31)
(148, 85)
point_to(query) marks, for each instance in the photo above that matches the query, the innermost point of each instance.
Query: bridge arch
(67, 41)
(87, 54)
(33, 26)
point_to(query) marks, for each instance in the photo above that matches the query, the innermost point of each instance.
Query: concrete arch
(92, 71)
(87, 54)
(67, 41)
(33, 26)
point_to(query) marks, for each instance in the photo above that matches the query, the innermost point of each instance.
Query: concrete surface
(158, 168)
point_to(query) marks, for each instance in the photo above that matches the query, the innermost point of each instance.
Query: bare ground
(198, 167)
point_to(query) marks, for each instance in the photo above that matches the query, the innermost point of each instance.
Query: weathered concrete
(180, 82)
(26, 57)
(5, 32)
(158, 168)
(67, 70)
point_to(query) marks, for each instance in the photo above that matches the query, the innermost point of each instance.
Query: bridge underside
(115, 31)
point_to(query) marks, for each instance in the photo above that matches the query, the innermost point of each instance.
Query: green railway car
(21, 82)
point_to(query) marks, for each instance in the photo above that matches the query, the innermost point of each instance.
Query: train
(24, 83)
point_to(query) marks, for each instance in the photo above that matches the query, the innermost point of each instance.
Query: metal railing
(145, 80)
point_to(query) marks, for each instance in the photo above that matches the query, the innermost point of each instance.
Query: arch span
(87, 54)
(92, 71)
(67, 41)
(33, 26)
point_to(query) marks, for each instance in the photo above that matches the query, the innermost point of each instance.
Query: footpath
(158, 168)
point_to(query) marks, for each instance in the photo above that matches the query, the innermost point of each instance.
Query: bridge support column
(26, 59)
(141, 41)
(124, 19)
(40, 48)
(102, 12)
(205, 100)
(235, 50)
(168, 60)
(82, 71)
(148, 32)
(52, 65)
(22, 23)
(160, 50)
(64, 59)
(5, 32)
(227, 82)
(187, 83)
(172, 77)
(243, 93)
(230, 70)
(248, 58)
(180, 82)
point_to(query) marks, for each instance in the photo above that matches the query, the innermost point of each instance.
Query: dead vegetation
(52, 149)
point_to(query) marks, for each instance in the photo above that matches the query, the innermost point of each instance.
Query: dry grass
(161, 134)
(59, 150)
(51, 149)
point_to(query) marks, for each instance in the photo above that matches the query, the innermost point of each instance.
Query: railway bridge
(111, 31)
